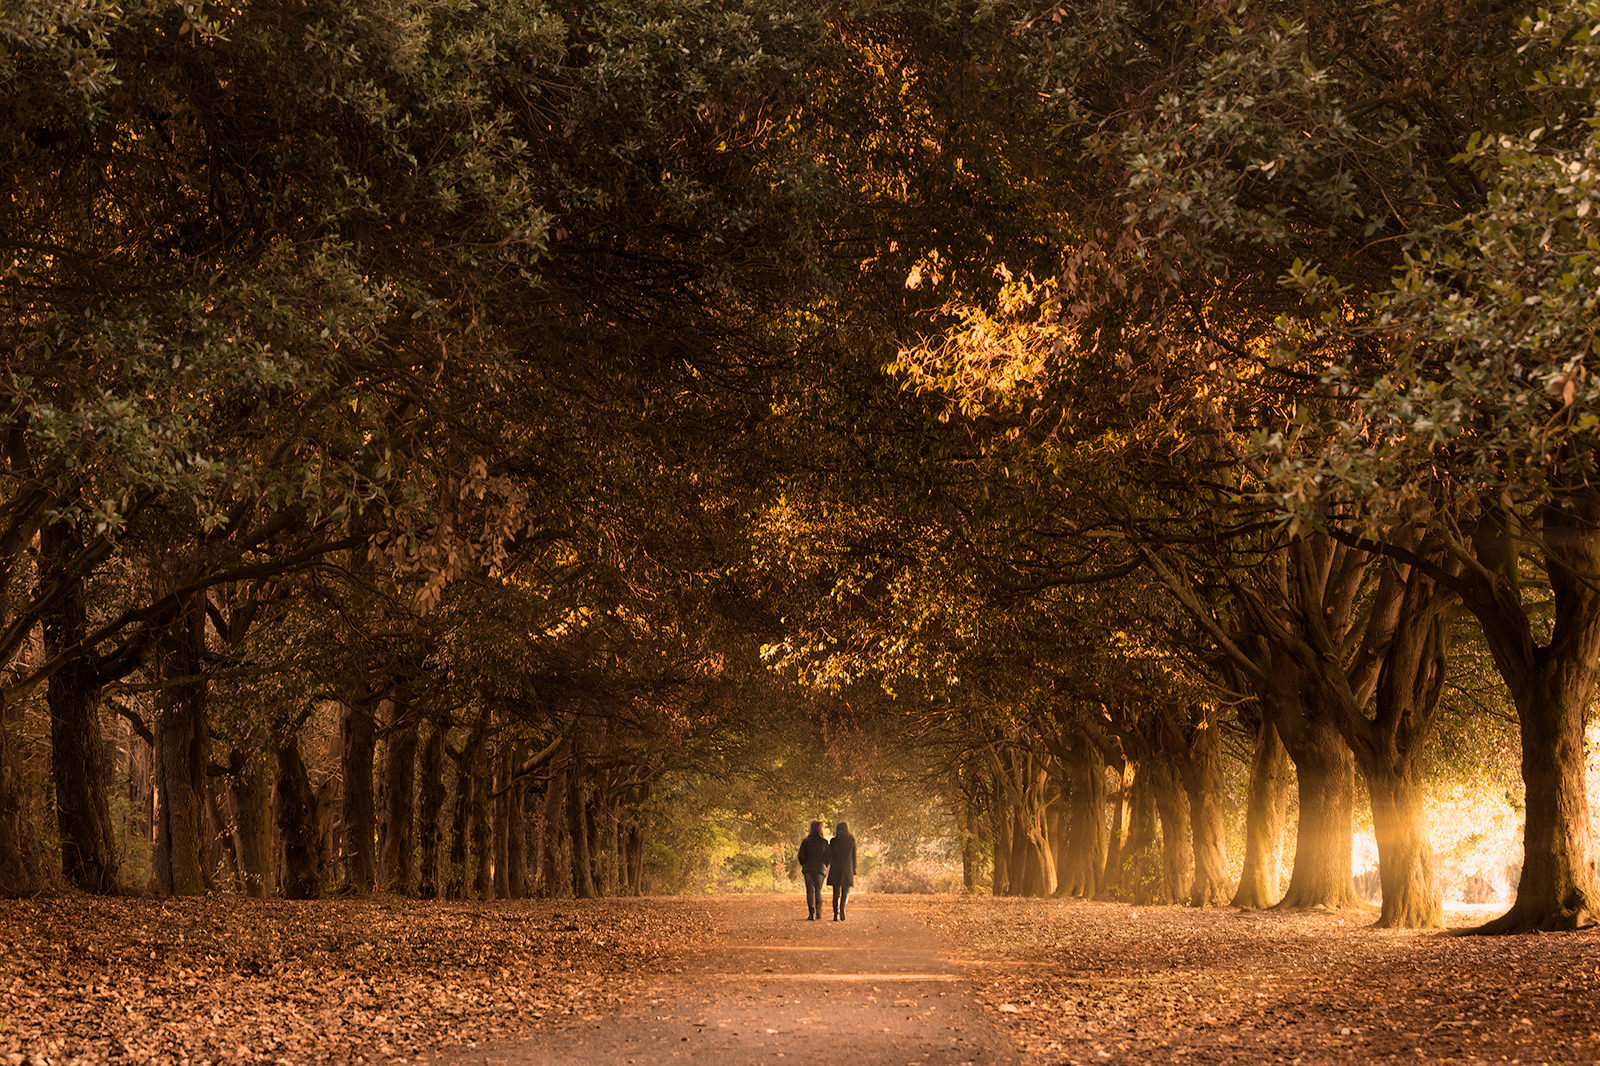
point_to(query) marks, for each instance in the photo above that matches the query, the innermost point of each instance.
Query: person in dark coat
(841, 868)
(813, 857)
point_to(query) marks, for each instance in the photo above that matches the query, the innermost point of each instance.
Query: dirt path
(771, 986)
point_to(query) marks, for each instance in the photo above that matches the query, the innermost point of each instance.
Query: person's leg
(837, 901)
(813, 896)
(841, 894)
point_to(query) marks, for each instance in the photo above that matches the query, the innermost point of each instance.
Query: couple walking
(839, 856)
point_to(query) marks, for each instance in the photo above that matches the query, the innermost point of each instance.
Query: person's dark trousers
(840, 894)
(814, 894)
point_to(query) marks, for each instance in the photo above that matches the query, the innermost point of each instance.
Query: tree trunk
(516, 835)
(1141, 877)
(552, 880)
(1406, 866)
(1552, 687)
(456, 876)
(1557, 888)
(77, 755)
(1177, 833)
(182, 740)
(1001, 821)
(1083, 870)
(251, 796)
(1202, 778)
(482, 843)
(431, 810)
(1266, 811)
(635, 860)
(971, 844)
(299, 825)
(23, 870)
(1325, 769)
(399, 800)
(1116, 837)
(358, 819)
(610, 818)
(141, 795)
(583, 886)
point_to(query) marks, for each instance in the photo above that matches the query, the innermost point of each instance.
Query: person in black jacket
(841, 868)
(813, 857)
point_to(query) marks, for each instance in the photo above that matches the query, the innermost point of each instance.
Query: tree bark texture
(430, 803)
(1552, 687)
(358, 819)
(1001, 821)
(1177, 833)
(1082, 870)
(1116, 836)
(22, 857)
(251, 799)
(583, 886)
(1406, 868)
(1203, 782)
(1266, 813)
(1141, 879)
(1325, 771)
(298, 820)
(482, 839)
(1410, 685)
(182, 741)
(553, 880)
(399, 794)
(77, 754)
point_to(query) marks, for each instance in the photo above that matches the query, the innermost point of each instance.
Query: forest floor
(912, 980)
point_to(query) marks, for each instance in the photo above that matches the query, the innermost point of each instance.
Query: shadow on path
(772, 987)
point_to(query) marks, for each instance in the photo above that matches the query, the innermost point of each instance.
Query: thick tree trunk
(23, 869)
(456, 874)
(431, 810)
(501, 829)
(1141, 876)
(222, 850)
(516, 854)
(251, 796)
(610, 817)
(1407, 700)
(482, 842)
(77, 754)
(1042, 877)
(635, 850)
(583, 886)
(1177, 833)
(299, 825)
(971, 845)
(1116, 837)
(553, 881)
(77, 763)
(1325, 770)
(1406, 866)
(182, 740)
(1202, 779)
(1000, 818)
(1552, 687)
(1266, 811)
(1557, 889)
(1083, 868)
(399, 792)
(358, 818)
